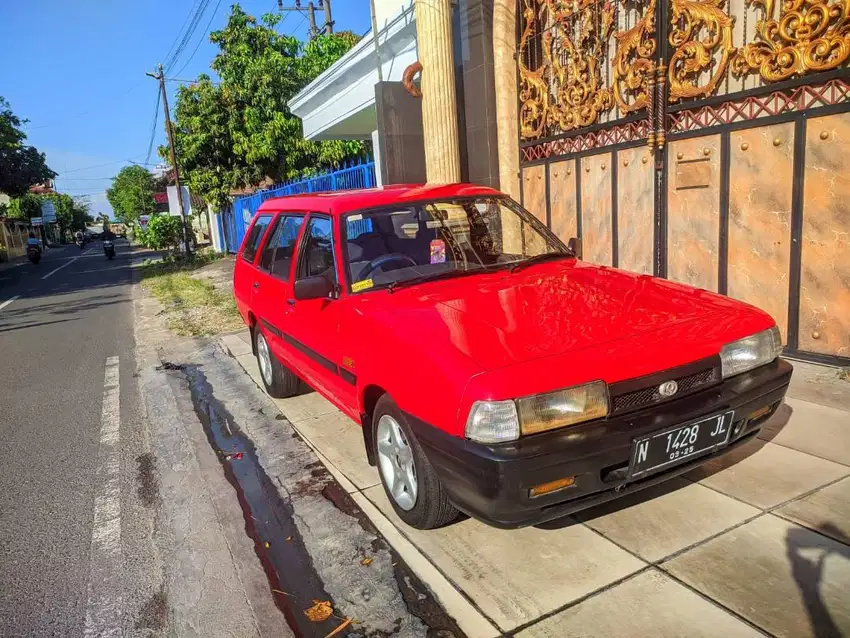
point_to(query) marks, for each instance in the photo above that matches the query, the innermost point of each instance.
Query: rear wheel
(409, 479)
(279, 382)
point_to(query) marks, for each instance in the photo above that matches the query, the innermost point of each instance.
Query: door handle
(291, 302)
(256, 284)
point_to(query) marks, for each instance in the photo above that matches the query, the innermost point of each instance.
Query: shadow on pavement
(35, 324)
(809, 572)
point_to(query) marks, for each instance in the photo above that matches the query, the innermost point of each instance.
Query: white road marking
(8, 301)
(55, 270)
(103, 610)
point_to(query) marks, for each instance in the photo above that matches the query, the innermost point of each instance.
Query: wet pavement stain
(292, 579)
(154, 613)
(148, 488)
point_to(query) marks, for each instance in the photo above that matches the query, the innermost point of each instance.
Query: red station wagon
(493, 371)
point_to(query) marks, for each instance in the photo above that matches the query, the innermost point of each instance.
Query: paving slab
(340, 440)
(514, 576)
(821, 384)
(667, 518)
(236, 345)
(808, 427)
(766, 475)
(786, 579)
(827, 511)
(649, 604)
(306, 406)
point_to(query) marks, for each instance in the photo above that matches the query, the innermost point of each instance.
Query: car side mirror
(574, 244)
(315, 287)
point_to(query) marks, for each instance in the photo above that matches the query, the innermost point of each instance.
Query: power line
(182, 26)
(80, 114)
(203, 37)
(190, 31)
(153, 128)
(85, 168)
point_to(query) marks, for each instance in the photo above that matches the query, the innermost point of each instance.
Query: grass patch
(194, 307)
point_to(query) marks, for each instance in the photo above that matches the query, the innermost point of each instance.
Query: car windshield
(444, 238)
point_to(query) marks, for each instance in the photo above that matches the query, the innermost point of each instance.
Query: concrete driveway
(756, 542)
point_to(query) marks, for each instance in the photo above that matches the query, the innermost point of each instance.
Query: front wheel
(280, 383)
(409, 479)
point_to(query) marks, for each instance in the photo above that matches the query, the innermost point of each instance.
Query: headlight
(564, 407)
(750, 352)
(492, 422)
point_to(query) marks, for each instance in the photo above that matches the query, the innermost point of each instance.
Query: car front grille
(631, 400)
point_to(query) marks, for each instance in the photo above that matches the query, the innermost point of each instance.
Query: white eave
(340, 103)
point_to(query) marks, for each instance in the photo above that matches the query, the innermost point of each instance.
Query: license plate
(678, 444)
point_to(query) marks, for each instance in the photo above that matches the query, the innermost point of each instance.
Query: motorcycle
(34, 253)
(81, 243)
(109, 249)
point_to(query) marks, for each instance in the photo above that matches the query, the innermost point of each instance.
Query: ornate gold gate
(702, 140)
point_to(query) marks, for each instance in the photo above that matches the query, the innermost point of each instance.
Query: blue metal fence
(236, 219)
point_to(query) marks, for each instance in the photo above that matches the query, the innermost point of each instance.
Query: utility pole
(329, 23)
(310, 12)
(161, 77)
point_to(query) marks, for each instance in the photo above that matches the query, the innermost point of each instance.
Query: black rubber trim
(321, 360)
(271, 328)
(492, 482)
(348, 377)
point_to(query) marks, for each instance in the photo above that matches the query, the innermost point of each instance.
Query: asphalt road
(62, 323)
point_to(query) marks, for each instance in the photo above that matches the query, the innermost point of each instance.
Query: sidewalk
(756, 542)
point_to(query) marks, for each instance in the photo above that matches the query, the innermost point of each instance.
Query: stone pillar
(507, 123)
(439, 101)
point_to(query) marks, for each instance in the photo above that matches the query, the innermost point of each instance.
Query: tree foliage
(21, 165)
(131, 194)
(241, 132)
(163, 232)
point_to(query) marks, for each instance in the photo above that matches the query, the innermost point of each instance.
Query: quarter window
(255, 236)
(279, 250)
(317, 256)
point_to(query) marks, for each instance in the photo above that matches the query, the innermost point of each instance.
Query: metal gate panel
(760, 194)
(693, 212)
(596, 221)
(534, 190)
(825, 272)
(562, 200)
(635, 209)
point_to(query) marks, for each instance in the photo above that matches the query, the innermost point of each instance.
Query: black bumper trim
(492, 482)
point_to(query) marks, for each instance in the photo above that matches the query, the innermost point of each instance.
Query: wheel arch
(370, 397)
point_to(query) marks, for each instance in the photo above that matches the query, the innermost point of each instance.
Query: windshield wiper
(443, 274)
(538, 259)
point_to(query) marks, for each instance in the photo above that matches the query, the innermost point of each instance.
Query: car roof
(342, 202)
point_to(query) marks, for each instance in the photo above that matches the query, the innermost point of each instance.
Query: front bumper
(492, 482)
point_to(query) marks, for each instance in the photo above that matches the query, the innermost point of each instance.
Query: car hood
(548, 311)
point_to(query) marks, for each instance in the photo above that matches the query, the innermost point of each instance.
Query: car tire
(429, 507)
(279, 382)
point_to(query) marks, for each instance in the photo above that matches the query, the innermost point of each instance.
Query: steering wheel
(377, 262)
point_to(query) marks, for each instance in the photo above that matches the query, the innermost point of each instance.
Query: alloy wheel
(264, 358)
(396, 459)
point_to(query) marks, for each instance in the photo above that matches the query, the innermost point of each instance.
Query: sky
(76, 70)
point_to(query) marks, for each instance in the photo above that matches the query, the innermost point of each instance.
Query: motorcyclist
(78, 236)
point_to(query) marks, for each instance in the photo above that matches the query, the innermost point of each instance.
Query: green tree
(25, 207)
(164, 232)
(242, 132)
(21, 165)
(131, 194)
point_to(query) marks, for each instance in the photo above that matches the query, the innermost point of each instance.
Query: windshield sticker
(354, 218)
(438, 251)
(357, 286)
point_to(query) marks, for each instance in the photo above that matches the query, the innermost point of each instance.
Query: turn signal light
(552, 486)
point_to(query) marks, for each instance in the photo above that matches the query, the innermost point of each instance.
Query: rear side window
(255, 236)
(317, 256)
(279, 250)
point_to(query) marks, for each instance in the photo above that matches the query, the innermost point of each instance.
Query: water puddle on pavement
(268, 519)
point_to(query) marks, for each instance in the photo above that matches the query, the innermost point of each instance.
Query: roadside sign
(143, 221)
(37, 221)
(48, 211)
